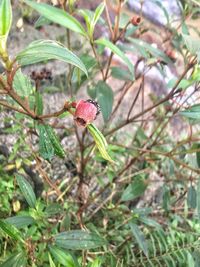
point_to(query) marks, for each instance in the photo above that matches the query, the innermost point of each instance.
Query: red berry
(86, 112)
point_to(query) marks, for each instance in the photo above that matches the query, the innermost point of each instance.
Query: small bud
(136, 20)
(86, 112)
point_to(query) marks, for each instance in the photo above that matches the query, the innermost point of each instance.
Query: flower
(86, 112)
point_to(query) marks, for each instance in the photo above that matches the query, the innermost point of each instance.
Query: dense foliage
(125, 131)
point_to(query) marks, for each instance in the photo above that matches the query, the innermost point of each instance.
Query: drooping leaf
(20, 221)
(135, 189)
(5, 21)
(100, 141)
(104, 95)
(16, 260)
(63, 257)
(10, 230)
(26, 190)
(116, 51)
(140, 238)
(43, 50)
(22, 84)
(78, 240)
(58, 16)
(49, 144)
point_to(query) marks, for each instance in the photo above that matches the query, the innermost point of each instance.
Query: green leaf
(149, 222)
(22, 84)
(26, 190)
(100, 141)
(121, 74)
(116, 51)
(54, 208)
(198, 199)
(46, 148)
(193, 45)
(58, 149)
(20, 221)
(16, 260)
(96, 263)
(142, 47)
(193, 112)
(104, 95)
(198, 155)
(63, 257)
(78, 240)
(190, 260)
(87, 15)
(159, 4)
(58, 16)
(5, 20)
(41, 22)
(52, 264)
(10, 230)
(42, 50)
(39, 103)
(96, 17)
(135, 189)
(192, 197)
(49, 144)
(139, 236)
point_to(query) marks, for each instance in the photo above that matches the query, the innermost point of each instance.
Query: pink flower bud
(86, 112)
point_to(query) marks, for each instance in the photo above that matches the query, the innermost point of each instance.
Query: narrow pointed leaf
(198, 199)
(116, 51)
(5, 17)
(78, 240)
(192, 44)
(20, 221)
(100, 141)
(193, 112)
(49, 144)
(51, 262)
(16, 260)
(58, 16)
(10, 230)
(43, 50)
(96, 17)
(63, 257)
(105, 98)
(135, 189)
(26, 190)
(139, 236)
